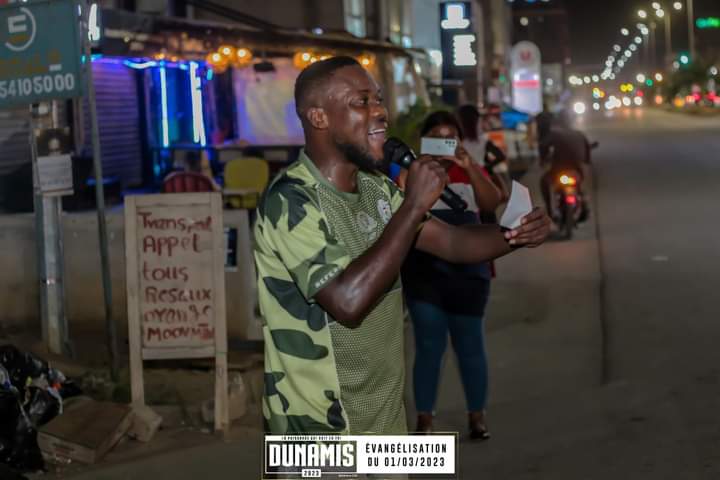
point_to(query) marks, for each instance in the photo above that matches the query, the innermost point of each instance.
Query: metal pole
(691, 29)
(48, 227)
(668, 39)
(100, 199)
(653, 44)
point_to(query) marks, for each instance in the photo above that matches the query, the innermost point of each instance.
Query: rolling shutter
(14, 139)
(119, 121)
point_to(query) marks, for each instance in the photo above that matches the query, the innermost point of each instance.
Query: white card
(442, 147)
(519, 205)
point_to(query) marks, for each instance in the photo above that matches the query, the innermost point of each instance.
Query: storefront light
(197, 105)
(242, 57)
(463, 54)
(94, 32)
(164, 108)
(302, 60)
(141, 65)
(227, 50)
(455, 17)
(367, 60)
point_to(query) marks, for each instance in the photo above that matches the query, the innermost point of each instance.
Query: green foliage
(681, 81)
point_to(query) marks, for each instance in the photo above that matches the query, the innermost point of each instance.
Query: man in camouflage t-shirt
(330, 238)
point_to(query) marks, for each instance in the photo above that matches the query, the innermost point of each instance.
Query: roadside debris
(31, 394)
(85, 432)
(146, 423)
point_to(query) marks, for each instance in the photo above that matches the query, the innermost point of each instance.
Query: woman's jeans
(432, 323)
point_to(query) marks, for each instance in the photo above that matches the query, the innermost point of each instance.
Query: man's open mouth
(377, 133)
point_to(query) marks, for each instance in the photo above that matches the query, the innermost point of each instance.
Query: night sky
(595, 24)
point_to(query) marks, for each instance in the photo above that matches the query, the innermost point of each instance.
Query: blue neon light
(197, 107)
(140, 65)
(94, 57)
(164, 106)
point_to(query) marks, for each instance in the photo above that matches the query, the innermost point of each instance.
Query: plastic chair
(187, 182)
(245, 180)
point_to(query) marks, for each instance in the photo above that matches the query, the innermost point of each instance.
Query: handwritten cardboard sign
(175, 255)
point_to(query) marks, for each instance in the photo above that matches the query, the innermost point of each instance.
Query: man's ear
(317, 117)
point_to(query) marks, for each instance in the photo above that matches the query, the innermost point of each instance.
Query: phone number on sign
(44, 84)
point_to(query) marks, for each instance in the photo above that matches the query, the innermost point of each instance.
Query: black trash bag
(18, 436)
(41, 407)
(70, 389)
(25, 455)
(29, 398)
(21, 366)
(9, 413)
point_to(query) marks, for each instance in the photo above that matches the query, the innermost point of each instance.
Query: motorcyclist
(563, 150)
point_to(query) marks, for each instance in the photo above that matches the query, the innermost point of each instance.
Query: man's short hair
(315, 77)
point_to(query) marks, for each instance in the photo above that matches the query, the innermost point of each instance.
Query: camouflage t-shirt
(320, 376)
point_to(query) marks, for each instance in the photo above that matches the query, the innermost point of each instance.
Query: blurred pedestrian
(445, 297)
(482, 150)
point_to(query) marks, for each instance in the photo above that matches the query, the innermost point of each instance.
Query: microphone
(395, 151)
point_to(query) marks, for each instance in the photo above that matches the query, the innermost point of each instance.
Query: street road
(604, 356)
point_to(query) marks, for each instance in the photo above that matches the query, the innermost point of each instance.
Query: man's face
(357, 119)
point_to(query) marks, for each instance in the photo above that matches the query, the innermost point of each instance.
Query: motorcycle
(569, 204)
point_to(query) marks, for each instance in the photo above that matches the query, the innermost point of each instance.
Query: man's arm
(479, 243)
(351, 295)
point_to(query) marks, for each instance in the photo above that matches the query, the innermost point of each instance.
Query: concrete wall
(19, 293)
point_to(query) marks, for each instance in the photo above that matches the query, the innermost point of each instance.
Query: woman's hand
(462, 158)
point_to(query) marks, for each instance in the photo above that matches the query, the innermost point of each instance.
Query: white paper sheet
(518, 206)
